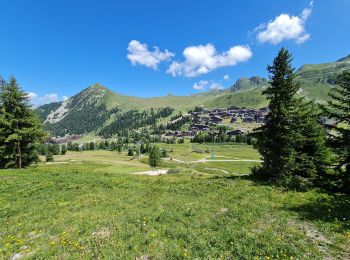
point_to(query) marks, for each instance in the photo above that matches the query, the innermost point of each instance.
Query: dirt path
(225, 160)
(214, 160)
(151, 173)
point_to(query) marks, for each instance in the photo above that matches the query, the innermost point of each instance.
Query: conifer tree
(310, 155)
(154, 156)
(20, 129)
(339, 110)
(273, 138)
(292, 142)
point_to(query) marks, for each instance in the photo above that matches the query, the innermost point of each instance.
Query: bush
(130, 152)
(174, 170)
(54, 149)
(180, 141)
(164, 153)
(49, 157)
(63, 149)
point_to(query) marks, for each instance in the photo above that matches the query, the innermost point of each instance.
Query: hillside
(316, 79)
(97, 107)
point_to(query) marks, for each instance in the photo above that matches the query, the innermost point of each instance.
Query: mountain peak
(249, 83)
(97, 86)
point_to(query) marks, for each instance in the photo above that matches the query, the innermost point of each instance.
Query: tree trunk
(19, 155)
(19, 152)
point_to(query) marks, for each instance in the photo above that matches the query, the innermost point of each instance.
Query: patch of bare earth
(102, 233)
(321, 242)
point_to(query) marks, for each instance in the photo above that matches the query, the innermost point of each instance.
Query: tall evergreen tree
(310, 156)
(339, 109)
(274, 138)
(154, 156)
(20, 129)
(292, 142)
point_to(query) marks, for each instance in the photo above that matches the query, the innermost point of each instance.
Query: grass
(190, 151)
(90, 207)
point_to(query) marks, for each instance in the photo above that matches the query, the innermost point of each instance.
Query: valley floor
(88, 205)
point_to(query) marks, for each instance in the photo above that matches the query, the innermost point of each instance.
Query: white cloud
(201, 85)
(139, 54)
(204, 84)
(32, 95)
(226, 77)
(51, 97)
(37, 100)
(285, 27)
(216, 86)
(64, 98)
(202, 59)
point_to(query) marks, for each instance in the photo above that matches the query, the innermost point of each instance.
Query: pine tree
(154, 156)
(292, 142)
(310, 156)
(274, 138)
(20, 129)
(339, 110)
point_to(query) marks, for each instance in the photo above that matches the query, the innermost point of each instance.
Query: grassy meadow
(90, 205)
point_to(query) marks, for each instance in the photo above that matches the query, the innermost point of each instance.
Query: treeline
(296, 148)
(180, 121)
(134, 119)
(207, 137)
(155, 153)
(81, 121)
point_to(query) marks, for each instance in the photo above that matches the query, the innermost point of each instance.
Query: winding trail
(213, 160)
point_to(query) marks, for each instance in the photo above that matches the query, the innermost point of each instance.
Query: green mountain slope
(98, 107)
(317, 79)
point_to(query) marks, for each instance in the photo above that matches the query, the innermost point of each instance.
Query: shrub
(174, 170)
(49, 157)
(130, 152)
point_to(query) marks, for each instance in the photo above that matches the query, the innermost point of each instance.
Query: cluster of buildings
(202, 120)
(63, 139)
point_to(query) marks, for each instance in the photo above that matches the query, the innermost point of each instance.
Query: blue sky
(57, 48)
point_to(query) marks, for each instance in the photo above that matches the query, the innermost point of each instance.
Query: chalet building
(215, 119)
(64, 139)
(170, 133)
(264, 110)
(248, 119)
(234, 132)
(260, 119)
(201, 120)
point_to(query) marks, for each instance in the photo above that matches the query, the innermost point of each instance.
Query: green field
(89, 205)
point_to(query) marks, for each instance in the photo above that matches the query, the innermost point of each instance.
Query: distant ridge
(98, 106)
(249, 83)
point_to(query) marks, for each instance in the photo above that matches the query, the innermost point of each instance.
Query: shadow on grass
(320, 206)
(256, 180)
(333, 208)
